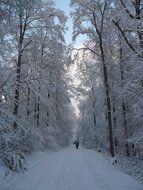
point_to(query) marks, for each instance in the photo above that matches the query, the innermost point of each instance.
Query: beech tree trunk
(108, 101)
(114, 124)
(28, 101)
(21, 47)
(123, 103)
(38, 108)
(17, 88)
(99, 30)
(18, 66)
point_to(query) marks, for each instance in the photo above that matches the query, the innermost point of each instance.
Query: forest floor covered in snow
(131, 166)
(69, 169)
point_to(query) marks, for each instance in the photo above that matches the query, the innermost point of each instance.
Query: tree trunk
(94, 113)
(38, 107)
(28, 101)
(123, 103)
(114, 125)
(47, 118)
(48, 113)
(108, 101)
(138, 9)
(35, 111)
(0, 84)
(17, 91)
(18, 68)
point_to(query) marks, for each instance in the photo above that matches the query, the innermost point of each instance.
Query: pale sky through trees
(65, 6)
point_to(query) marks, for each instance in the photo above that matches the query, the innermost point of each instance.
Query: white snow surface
(72, 169)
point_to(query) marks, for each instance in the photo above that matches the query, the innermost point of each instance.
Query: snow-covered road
(72, 169)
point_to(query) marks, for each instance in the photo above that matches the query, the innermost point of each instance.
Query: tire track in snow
(103, 185)
(72, 169)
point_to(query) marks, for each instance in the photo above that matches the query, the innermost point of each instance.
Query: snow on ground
(72, 169)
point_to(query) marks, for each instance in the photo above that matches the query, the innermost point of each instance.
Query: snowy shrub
(131, 166)
(15, 145)
(10, 154)
(14, 160)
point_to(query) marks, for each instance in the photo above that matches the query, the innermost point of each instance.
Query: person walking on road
(77, 144)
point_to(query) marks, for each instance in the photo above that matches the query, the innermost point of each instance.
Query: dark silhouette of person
(77, 144)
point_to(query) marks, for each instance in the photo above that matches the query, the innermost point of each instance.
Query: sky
(65, 6)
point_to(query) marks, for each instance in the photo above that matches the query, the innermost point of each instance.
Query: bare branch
(128, 12)
(124, 36)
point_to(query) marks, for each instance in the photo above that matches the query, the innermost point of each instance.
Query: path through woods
(72, 169)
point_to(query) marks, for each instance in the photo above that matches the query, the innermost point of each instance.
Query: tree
(94, 13)
(113, 36)
(34, 82)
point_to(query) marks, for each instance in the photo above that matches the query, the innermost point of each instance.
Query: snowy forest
(34, 100)
(40, 93)
(110, 71)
